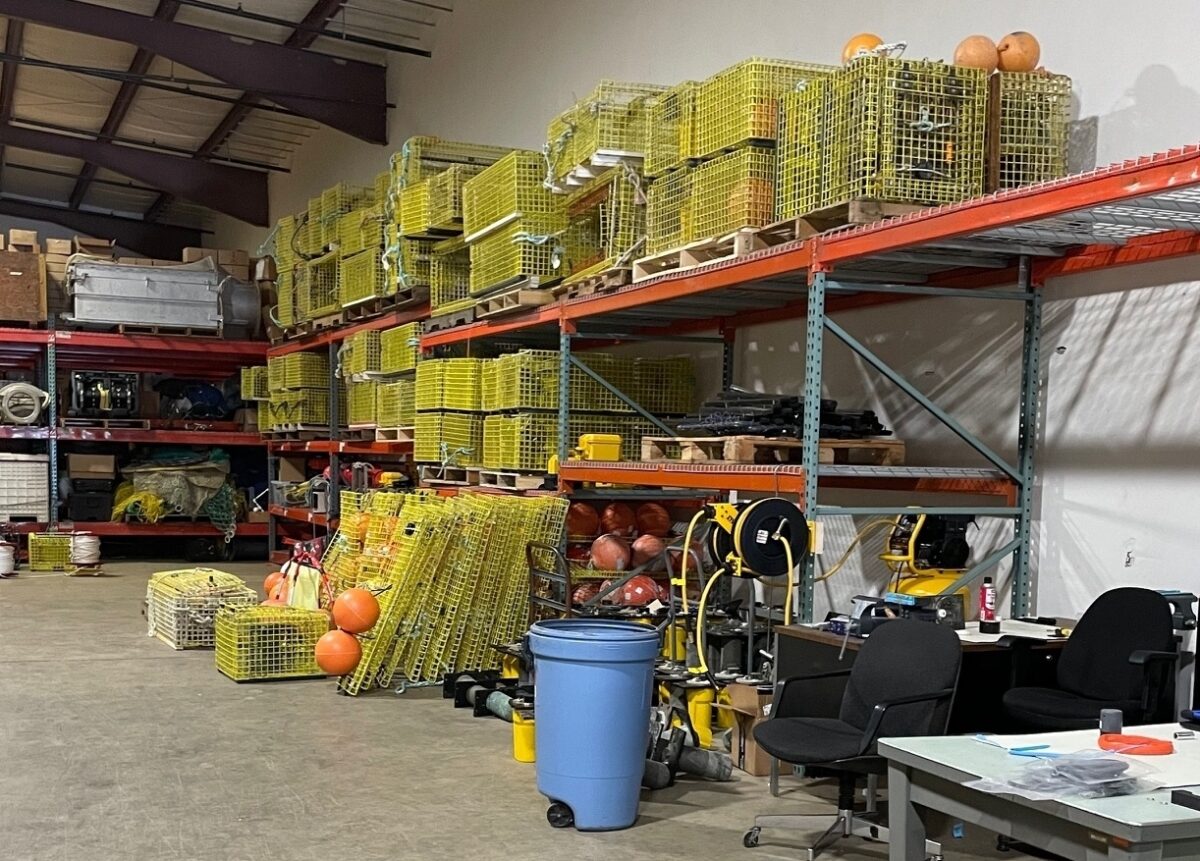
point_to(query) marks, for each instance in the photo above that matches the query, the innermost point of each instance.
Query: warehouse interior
(753, 430)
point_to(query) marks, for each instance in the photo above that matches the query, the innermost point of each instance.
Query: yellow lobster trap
(396, 404)
(670, 129)
(182, 606)
(360, 406)
(400, 348)
(1030, 121)
(604, 128)
(263, 643)
(449, 438)
(449, 384)
(450, 277)
(362, 353)
(733, 191)
(510, 189)
(254, 382)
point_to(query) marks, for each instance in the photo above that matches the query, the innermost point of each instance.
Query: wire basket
(282, 250)
(317, 293)
(360, 230)
(608, 223)
(413, 261)
(285, 291)
(511, 188)
(669, 211)
(450, 276)
(254, 383)
(449, 384)
(396, 404)
(448, 438)
(803, 170)
(400, 348)
(670, 129)
(1034, 110)
(360, 406)
(49, 551)
(421, 157)
(733, 191)
(519, 252)
(433, 207)
(608, 124)
(301, 370)
(362, 353)
(182, 606)
(262, 643)
(741, 104)
(909, 131)
(337, 201)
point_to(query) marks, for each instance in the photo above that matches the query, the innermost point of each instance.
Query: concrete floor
(114, 746)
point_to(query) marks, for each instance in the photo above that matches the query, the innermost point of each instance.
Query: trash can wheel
(559, 815)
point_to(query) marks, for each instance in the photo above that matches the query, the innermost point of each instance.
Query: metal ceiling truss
(161, 241)
(8, 78)
(347, 95)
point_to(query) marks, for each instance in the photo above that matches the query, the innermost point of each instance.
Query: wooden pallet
(518, 481)
(298, 432)
(447, 476)
(358, 433)
(111, 424)
(511, 302)
(608, 281)
(757, 449)
(448, 321)
(846, 213)
(700, 253)
(140, 329)
(394, 434)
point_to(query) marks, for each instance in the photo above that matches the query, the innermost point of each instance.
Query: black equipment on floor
(1121, 655)
(901, 684)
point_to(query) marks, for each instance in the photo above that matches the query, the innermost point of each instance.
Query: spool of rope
(8, 559)
(22, 403)
(85, 550)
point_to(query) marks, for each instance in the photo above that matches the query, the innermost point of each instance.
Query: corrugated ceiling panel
(43, 159)
(35, 185)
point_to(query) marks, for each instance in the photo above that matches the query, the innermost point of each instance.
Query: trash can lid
(594, 630)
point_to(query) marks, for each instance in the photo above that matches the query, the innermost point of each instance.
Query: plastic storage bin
(590, 759)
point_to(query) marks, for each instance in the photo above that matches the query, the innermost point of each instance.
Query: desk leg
(906, 831)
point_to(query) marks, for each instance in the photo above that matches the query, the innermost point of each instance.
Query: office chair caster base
(750, 838)
(559, 815)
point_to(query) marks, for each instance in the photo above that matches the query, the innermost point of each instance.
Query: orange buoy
(1019, 52)
(338, 653)
(653, 519)
(862, 43)
(618, 518)
(977, 52)
(647, 549)
(355, 610)
(272, 579)
(639, 591)
(582, 520)
(610, 553)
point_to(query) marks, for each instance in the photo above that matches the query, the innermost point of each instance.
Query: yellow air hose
(701, 663)
(687, 552)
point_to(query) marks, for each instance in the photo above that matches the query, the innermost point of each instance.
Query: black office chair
(902, 684)
(1121, 655)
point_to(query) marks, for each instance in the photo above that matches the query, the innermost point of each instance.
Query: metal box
(196, 296)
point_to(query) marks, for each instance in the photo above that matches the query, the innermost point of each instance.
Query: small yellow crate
(361, 277)
(361, 397)
(400, 348)
(669, 219)
(607, 125)
(453, 439)
(519, 251)
(49, 551)
(449, 384)
(449, 275)
(741, 104)
(317, 293)
(421, 157)
(254, 383)
(362, 353)
(511, 188)
(262, 643)
(733, 191)
(360, 230)
(670, 129)
(395, 405)
(1035, 116)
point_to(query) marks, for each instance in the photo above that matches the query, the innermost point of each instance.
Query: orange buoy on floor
(355, 610)
(338, 653)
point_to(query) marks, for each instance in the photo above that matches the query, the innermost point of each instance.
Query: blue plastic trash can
(593, 680)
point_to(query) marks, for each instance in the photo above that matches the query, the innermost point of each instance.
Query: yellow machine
(929, 552)
(592, 446)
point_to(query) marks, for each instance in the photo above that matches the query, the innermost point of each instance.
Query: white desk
(930, 772)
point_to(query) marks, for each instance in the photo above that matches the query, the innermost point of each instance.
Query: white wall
(1119, 465)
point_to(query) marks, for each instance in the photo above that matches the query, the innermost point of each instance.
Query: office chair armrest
(1146, 656)
(789, 693)
(872, 731)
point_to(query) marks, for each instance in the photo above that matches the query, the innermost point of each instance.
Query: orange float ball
(338, 653)
(653, 519)
(639, 591)
(582, 520)
(1019, 52)
(648, 549)
(274, 602)
(860, 44)
(977, 52)
(618, 518)
(273, 578)
(610, 553)
(355, 611)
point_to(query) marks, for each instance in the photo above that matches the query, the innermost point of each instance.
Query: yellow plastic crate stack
(514, 225)
(670, 129)
(181, 606)
(400, 348)
(1034, 116)
(902, 131)
(396, 404)
(254, 383)
(262, 643)
(450, 277)
(605, 128)
(525, 442)
(448, 426)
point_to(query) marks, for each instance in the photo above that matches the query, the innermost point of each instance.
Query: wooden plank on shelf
(110, 424)
(702, 252)
(394, 434)
(511, 302)
(767, 450)
(608, 281)
(435, 475)
(450, 320)
(852, 212)
(519, 481)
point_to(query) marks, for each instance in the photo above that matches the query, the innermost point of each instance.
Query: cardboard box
(22, 286)
(26, 239)
(257, 517)
(292, 469)
(749, 705)
(191, 255)
(264, 269)
(91, 465)
(94, 247)
(241, 273)
(247, 417)
(58, 246)
(233, 257)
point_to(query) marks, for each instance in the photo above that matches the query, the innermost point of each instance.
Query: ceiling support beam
(153, 240)
(347, 95)
(301, 38)
(8, 78)
(122, 103)
(232, 190)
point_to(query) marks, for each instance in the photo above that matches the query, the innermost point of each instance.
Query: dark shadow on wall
(1155, 113)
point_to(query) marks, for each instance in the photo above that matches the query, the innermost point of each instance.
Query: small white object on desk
(1009, 628)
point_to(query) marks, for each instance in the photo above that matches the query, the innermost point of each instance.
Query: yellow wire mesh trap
(317, 293)
(512, 187)
(520, 250)
(670, 129)
(669, 214)
(254, 383)
(450, 277)
(449, 384)
(451, 439)
(609, 123)
(732, 191)
(360, 407)
(608, 223)
(361, 277)
(361, 230)
(285, 291)
(262, 643)
(49, 551)
(299, 371)
(525, 442)
(182, 605)
(400, 347)
(395, 405)
(1035, 116)
(362, 353)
